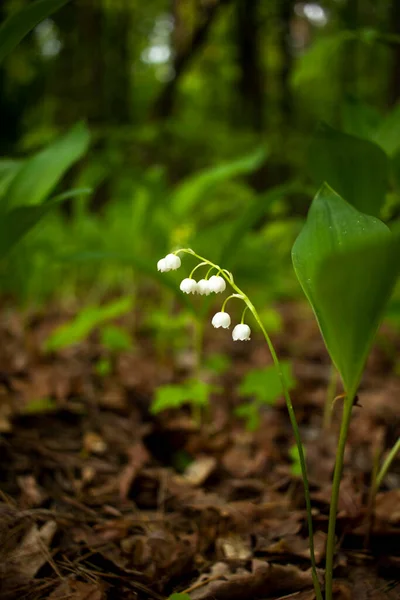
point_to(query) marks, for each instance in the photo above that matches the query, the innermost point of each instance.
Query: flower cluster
(204, 287)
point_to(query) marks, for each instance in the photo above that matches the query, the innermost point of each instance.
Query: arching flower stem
(243, 313)
(249, 305)
(197, 267)
(228, 298)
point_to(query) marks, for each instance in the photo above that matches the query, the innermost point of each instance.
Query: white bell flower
(221, 319)
(172, 261)
(217, 284)
(203, 287)
(162, 265)
(241, 332)
(189, 286)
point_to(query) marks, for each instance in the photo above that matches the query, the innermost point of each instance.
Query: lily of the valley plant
(216, 280)
(347, 263)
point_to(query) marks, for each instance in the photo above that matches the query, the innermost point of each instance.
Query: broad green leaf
(15, 28)
(85, 322)
(347, 263)
(41, 173)
(179, 596)
(195, 188)
(16, 223)
(357, 169)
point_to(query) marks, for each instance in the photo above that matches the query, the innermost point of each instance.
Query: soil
(100, 499)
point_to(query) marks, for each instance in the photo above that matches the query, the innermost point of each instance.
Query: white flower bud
(173, 262)
(162, 266)
(241, 332)
(188, 286)
(221, 319)
(203, 287)
(217, 284)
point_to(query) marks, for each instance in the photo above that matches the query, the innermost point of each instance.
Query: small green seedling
(89, 319)
(114, 340)
(40, 406)
(104, 366)
(217, 364)
(263, 387)
(166, 329)
(179, 596)
(193, 393)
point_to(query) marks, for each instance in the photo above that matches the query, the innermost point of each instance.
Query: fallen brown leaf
(264, 580)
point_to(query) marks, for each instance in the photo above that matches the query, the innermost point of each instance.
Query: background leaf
(15, 224)
(195, 188)
(388, 133)
(357, 169)
(15, 28)
(39, 175)
(85, 322)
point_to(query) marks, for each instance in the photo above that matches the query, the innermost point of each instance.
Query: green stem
(330, 544)
(330, 397)
(296, 432)
(228, 298)
(229, 278)
(205, 262)
(244, 312)
(385, 467)
(198, 330)
(371, 496)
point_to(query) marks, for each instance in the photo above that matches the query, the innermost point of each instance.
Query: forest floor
(96, 501)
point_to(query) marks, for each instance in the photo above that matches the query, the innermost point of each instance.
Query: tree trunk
(164, 104)
(251, 84)
(285, 17)
(394, 90)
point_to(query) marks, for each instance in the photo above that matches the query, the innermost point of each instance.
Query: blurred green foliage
(263, 387)
(193, 393)
(207, 125)
(88, 319)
